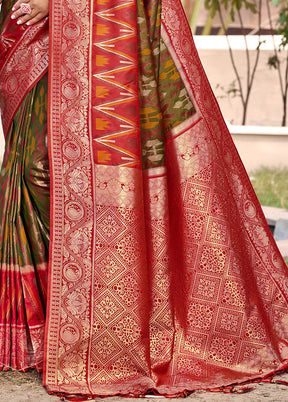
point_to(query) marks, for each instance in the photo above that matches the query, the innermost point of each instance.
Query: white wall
(265, 104)
(261, 146)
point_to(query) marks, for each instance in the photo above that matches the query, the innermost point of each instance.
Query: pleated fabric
(24, 235)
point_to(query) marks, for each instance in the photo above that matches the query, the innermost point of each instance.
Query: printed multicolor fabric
(24, 235)
(164, 101)
(114, 115)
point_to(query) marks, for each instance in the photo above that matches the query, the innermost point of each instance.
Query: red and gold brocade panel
(164, 277)
(23, 61)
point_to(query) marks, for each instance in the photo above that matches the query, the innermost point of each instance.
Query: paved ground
(27, 387)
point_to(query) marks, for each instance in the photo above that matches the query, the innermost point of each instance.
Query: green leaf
(230, 6)
(273, 62)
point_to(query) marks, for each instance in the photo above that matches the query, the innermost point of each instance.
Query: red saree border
(70, 155)
(23, 61)
(73, 188)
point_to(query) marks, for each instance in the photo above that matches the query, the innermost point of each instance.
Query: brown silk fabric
(5, 10)
(164, 277)
(24, 192)
(24, 235)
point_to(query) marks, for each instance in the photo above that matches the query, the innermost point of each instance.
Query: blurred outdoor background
(240, 47)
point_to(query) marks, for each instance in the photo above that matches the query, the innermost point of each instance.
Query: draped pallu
(163, 274)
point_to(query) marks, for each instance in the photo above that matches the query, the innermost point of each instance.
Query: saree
(163, 275)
